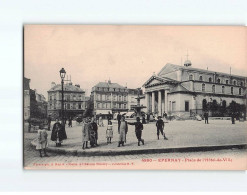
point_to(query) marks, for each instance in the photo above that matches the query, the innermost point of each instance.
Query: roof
(26, 82)
(179, 88)
(172, 67)
(108, 84)
(159, 78)
(66, 87)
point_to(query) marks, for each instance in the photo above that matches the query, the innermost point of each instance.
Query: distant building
(26, 88)
(184, 90)
(35, 105)
(109, 97)
(74, 100)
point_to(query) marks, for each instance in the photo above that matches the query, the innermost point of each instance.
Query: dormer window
(234, 82)
(223, 89)
(218, 80)
(191, 77)
(210, 80)
(227, 82)
(200, 78)
(203, 87)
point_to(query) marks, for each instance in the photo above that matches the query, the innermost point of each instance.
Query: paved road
(32, 156)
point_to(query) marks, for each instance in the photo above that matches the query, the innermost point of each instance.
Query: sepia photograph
(134, 97)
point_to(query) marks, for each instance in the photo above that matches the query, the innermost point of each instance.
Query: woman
(122, 131)
(86, 128)
(58, 133)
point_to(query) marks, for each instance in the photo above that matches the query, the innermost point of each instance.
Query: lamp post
(62, 75)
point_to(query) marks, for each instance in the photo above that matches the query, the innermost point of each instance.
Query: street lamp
(62, 75)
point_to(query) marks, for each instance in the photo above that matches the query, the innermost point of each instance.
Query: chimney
(53, 84)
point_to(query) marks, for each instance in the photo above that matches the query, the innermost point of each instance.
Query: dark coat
(95, 129)
(160, 124)
(58, 131)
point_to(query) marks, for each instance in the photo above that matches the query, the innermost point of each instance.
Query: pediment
(156, 80)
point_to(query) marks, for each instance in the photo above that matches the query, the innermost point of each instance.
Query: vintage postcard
(134, 97)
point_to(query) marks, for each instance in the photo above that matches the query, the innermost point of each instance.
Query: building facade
(74, 100)
(182, 90)
(108, 98)
(26, 96)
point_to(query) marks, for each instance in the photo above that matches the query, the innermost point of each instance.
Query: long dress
(58, 133)
(123, 129)
(86, 128)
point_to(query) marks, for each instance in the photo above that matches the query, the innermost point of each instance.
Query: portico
(157, 90)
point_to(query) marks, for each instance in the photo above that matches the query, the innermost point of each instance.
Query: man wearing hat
(160, 127)
(138, 130)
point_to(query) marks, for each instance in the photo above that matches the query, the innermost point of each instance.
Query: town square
(93, 111)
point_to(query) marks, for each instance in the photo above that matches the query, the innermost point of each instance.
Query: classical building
(132, 95)
(74, 100)
(109, 97)
(182, 90)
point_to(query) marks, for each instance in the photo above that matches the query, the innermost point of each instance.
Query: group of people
(90, 132)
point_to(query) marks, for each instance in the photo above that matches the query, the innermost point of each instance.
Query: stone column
(147, 101)
(166, 102)
(153, 100)
(159, 103)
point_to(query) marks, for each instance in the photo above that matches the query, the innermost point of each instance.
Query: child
(42, 140)
(109, 132)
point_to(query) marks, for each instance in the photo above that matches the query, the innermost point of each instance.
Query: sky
(127, 55)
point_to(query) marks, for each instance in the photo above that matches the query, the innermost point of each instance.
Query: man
(49, 122)
(233, 117)
(86, 130)
(148, 117)
(206, 117)
(119, 119)
(95, 132)
(138, 130)
(70, 122)
(160, 127)
(122, 131)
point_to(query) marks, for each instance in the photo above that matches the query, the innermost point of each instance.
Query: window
(213, 88)
(79, 106)
(186, 105)
(119, 105)
(203, 87)
(98, 105)
(125, 106)
(223, 89)
(120, 98)
(210, 80)
(124, 98)
(103, 105)
(191, 77)
(74, 97)
(114, 98)
(114, 105)
(68, 106)
(218, 80)
(240, 91)
(241, 83)
(234, 82)
(232, 90)
(200, 78)
(227, 82)
(114, 89)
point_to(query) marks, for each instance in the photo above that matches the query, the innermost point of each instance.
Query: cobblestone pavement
(32, 159)
(179, 133)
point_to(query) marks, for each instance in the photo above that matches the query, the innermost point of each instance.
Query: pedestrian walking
(49, 122)
(109, 132)
(86, 128)
(101, 124)
(94, 133)
(138, 130)
(233, 117)
(122, 131)
(42, 143)
(70, 122)
(148, 117)
(206, 117)
(160, 127)
(119, 119)
(58, 133)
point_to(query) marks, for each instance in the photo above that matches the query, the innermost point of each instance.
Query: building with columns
(181, 90)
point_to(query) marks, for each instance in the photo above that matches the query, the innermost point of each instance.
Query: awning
(103, 112)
